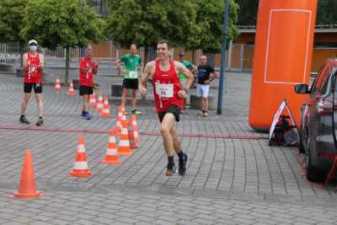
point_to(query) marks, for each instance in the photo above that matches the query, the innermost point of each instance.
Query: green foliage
(11, 17)
(189, 23)
(66, 23)
(146, 21)
(210, 22)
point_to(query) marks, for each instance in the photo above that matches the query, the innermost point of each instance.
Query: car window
(321, 82)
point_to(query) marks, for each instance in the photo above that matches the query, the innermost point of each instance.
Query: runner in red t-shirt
(88, 69)
(169, 99)
(32, 80)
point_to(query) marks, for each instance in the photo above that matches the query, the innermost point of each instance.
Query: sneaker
(84, 113)
(24, 120)
(39, 122)
(136, 112)
(205, 114)
(170, 170)
(182, 165)
(88, 116)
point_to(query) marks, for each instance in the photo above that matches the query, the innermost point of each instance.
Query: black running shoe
(182, 165)
(24, 120)
(39, 122)
(170, 170)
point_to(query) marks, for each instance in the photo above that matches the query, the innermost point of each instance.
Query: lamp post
(223, 58)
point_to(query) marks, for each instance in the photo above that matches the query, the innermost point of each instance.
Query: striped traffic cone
(57, 85)
(120, 118)
(81, 168)
(111, 156)
(133, 132)
(105, 112)
(92, 100)
(124, 143)
(99, 105)
(71, 90)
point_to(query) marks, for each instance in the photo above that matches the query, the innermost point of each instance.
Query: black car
(318, 126)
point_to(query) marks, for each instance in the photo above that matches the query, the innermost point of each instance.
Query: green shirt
(131, 64)
(188, 65)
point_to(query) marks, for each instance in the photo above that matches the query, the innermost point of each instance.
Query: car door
(334, 119)
(324, 106)
(310, 116)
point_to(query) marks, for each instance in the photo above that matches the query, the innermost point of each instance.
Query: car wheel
(313, 173)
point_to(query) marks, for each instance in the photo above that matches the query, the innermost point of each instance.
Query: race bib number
(165, 90)
(133, 75)
(32, 69)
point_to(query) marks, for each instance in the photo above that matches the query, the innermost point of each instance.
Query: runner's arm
(25, 62)
(145, 77)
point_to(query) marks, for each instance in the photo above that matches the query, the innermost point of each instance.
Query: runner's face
(203, 60)
(162, 51)
(89, 52)
(133, 49)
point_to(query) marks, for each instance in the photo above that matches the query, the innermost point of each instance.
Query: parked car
(318, 126)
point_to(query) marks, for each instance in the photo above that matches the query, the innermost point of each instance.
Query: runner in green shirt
(130, 65)
(189, 66)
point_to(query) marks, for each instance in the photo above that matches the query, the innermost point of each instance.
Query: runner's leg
(165, 129)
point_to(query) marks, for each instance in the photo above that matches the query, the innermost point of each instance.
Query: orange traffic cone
(105, 112)
(124, 144)
(57, 85)
(81, 168)
(27, 188)
(111, 156)
(92, 100)
(71, 90)
(99, 105)
(133, 132)
(120, 118)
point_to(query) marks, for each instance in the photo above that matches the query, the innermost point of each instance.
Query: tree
(190, 23)
(11, 21)
(209, 20)
(65, 23)
(144, 22)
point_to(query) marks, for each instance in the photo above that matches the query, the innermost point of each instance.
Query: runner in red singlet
(169, 99)
(33, 65)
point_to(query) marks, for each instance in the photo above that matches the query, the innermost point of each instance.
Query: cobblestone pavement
(233, 176)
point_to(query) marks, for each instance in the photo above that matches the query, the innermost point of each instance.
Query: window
(321, 82)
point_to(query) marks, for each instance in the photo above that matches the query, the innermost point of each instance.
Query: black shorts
(130, 84)
(85, 90)
(175, 110)
(28, 87)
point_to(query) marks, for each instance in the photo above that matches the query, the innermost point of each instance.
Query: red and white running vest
(33, 74)
(166, 86)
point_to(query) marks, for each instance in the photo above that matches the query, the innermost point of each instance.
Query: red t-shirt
(166, 86)
(34, 73)
(87, 79)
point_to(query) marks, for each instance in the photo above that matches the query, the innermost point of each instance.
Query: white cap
(32, 42)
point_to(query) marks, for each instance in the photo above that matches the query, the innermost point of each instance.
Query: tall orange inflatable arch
(282, 57)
